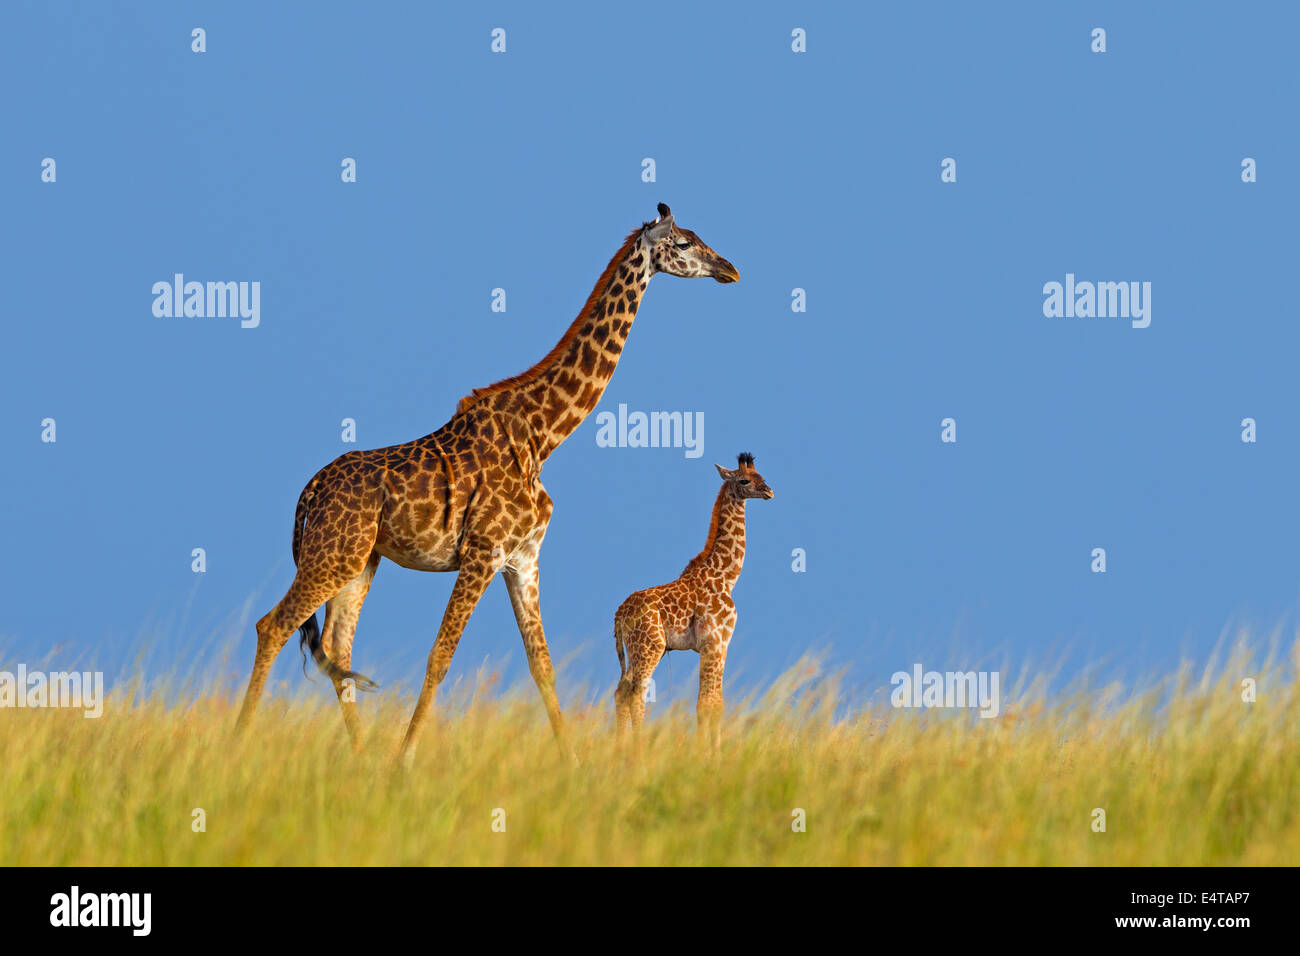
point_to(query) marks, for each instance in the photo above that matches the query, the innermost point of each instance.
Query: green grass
(1187, 773)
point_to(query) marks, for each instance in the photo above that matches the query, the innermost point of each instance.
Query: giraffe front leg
(522, 576)
(713, 660)
(471, 582)
(708, 706)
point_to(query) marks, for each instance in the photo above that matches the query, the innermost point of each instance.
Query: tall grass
(1185, 770)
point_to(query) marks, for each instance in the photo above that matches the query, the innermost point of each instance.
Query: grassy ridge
(1187, 773)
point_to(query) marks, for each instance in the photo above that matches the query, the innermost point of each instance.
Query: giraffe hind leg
(332, 649)
(316, 582)
(624, 633)
(622, 705)
(274, 631)
(644, 643)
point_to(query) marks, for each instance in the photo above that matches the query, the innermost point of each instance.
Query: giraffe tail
(309, 639)
(618, 646)
(300, 516)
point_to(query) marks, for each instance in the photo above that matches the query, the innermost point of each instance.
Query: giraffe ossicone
(467, 497)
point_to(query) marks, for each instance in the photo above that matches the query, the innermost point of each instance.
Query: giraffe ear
(662, 226)
(726, 475)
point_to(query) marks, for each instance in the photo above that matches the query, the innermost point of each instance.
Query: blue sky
(523, 170)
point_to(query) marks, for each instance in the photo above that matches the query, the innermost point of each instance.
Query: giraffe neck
(554, 397)
(724, 551)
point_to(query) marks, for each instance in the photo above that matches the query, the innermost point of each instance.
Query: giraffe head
(745, 482)
(679, 252)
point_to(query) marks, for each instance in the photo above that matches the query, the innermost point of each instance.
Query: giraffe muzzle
(724, 271)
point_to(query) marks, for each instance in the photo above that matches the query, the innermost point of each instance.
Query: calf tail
(618, 646)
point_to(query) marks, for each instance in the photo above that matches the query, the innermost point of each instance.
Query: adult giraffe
(466, 498)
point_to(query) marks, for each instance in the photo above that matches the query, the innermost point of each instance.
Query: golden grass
(1186, 771)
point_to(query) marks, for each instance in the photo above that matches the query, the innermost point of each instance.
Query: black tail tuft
(310, 640)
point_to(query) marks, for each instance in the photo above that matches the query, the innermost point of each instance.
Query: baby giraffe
(695, 612)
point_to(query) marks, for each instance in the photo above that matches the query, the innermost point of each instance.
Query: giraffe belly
(434, 553)
(417, 536)
(681, 640)
(420, 560)
(679, 632)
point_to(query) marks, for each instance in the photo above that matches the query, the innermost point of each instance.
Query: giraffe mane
(551, 357)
